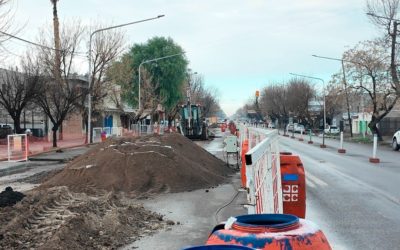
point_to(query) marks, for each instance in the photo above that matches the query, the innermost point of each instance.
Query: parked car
(295, 127)
(298, 128)
(332, 130)
(271, 125)
(396, 141)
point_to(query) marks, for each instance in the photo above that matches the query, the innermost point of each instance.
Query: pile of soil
(40, 177)
(144, 165)
(59, 219)
(9, 197)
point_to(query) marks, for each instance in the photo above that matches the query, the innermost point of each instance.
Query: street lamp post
(153, 60)
(345, 87)
(89, 139)
(323, 86)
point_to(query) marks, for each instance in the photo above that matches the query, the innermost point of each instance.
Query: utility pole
(345, 87)
(57, 44)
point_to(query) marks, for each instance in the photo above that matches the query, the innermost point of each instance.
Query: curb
(52, 150)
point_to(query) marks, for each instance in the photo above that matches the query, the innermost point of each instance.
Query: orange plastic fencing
(293, 185)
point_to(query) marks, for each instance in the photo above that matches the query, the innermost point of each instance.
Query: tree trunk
(54, 129)
(61, 133)
(17, 124)
(374, 128)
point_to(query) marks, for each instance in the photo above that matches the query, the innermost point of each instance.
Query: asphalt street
(356, 203)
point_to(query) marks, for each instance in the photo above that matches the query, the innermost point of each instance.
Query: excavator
(193, 124)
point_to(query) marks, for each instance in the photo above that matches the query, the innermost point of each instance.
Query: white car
(332, 130)
(396, 141)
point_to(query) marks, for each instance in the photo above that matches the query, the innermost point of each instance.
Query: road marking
(371, 188)
(310, 183)
(316, 180)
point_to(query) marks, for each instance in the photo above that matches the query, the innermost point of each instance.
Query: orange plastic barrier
(223, 127)
(245, 149)
(293, 185)
(270, 231)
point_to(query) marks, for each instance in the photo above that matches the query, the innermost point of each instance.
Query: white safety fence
(141, 130)
(17, 147)
(263, 177)
(109, 131)
(97, 134)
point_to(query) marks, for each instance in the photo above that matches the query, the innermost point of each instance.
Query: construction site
(96, 200)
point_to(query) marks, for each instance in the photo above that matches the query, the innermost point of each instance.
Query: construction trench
(96, 200)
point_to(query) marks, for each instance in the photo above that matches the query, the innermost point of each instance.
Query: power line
(80, 54)
(26, 41)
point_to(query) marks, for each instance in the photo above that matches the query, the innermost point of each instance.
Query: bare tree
(383, 13)
(335, 99)
(59, 99)
(299, 92)
(18, 89)
(106, 47)
(6, 17)
(278, 101)
(200, 94)
(369, 71)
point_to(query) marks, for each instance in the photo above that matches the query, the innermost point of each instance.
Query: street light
(345, 87)
(154, 60)
(323, 86)
(90, 65)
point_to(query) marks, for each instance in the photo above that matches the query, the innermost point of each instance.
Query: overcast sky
(238, 46)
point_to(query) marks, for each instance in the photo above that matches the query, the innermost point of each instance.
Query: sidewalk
(44, 158)
(40, 147)
(364, 150)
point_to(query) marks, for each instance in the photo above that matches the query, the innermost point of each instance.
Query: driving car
(396, 141)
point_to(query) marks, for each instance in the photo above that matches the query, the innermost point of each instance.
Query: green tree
(165, 78)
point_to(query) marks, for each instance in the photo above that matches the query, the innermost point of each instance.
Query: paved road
(356, 203)
(11, 173)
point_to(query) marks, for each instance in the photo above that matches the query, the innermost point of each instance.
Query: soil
(89, 205)
(142, 166)
(59, 219)
(9, 197)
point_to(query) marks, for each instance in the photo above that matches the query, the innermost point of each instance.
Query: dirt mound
(9, 197)
(150, 164)
(59, 219)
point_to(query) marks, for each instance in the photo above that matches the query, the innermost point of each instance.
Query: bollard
(301, 135)
(374, 159)
(341, 149)
(310, 141)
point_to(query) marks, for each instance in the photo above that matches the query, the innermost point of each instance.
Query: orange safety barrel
(245, 149)
(272, 232)
(223, 127)
(293, 185)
